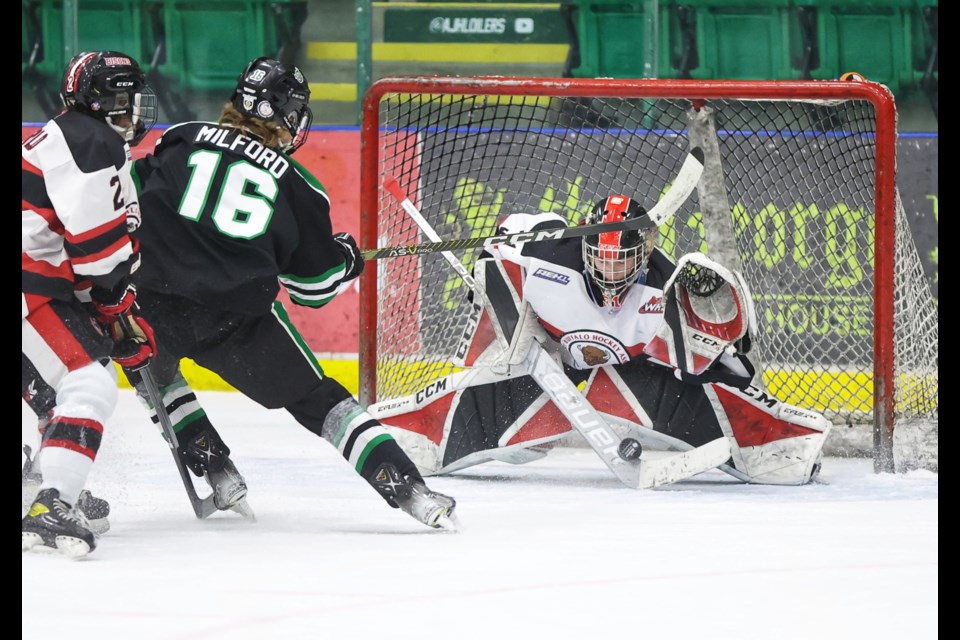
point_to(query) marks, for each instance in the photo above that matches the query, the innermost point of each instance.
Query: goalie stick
(686, 180)
(639, 472)
(636, 472)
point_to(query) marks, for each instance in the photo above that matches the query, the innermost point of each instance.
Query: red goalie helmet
(616, 259)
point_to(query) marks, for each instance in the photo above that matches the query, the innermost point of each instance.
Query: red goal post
(799, 193)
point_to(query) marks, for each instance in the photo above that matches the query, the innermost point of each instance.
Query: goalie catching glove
(134, 344)
(352, 256)
(708, 318)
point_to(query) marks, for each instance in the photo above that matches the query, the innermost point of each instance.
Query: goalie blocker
(667, 367)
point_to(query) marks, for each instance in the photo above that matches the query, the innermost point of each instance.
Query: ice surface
(553, 549)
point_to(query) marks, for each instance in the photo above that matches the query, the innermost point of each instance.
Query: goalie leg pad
(468, 424)
(776, 443)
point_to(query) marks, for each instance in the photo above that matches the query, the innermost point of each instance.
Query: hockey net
(798, 193)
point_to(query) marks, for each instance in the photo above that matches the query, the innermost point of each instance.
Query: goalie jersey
(241, 218)
(552, 280)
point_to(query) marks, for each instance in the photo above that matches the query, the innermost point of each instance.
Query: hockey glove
(699, 280)
(133, 342)
(354, 261)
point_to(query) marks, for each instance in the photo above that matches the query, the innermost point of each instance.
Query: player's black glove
(133, 342)
(348, 246)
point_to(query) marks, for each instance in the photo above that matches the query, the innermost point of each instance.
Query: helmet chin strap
(126, 132)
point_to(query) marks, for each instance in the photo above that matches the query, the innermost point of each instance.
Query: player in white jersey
(650, 343)
(80, 209)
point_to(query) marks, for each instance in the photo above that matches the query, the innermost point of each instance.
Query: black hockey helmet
(111, 87)
(275, 92)
(615, 260)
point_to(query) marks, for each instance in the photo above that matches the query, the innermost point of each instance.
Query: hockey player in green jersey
(228, 217)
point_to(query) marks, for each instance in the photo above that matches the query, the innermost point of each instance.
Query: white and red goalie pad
(492, 350)
(776, 443)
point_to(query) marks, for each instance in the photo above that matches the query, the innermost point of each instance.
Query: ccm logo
(532, 236)
(431, 390)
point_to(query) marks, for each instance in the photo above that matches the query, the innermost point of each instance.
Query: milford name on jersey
(556, 287)
(241, 218)
(79, 204)
(250, 148)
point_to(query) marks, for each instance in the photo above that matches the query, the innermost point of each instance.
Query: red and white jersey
(554, 283)
(77, 195)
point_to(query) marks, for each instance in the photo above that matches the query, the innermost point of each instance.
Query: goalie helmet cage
(798, 193)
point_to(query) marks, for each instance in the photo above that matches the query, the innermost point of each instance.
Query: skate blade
(72, 547)
(243, 508)
(99, 526)
(30, 541)
(65, 545)
(447, 521)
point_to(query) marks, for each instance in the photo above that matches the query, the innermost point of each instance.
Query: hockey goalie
(606, 336)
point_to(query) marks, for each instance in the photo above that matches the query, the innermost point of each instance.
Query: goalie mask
(275, 92)
(616, 259)
(111, 87)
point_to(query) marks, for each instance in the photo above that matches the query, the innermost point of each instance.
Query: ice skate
(94, 510)
(52, 525)
(413, 497)
(229, 489)
(207, 454)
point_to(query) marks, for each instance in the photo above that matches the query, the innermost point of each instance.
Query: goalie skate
(53, 525)
(415, 499)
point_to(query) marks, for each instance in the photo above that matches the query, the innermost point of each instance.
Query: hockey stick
(686, 180)
(202, 507)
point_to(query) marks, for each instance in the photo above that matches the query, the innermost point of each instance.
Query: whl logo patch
(653, 305)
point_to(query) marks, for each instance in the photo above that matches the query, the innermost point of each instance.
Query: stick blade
(391, 185)
(683, 185)
(656, 472)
